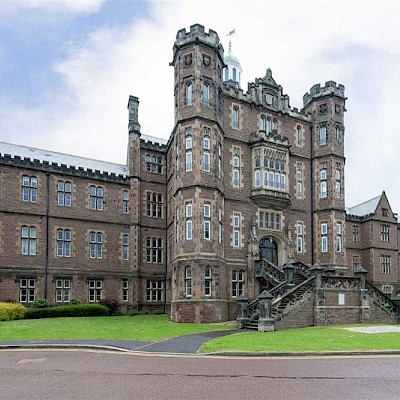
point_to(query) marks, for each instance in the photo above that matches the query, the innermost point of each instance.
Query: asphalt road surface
(84, 374)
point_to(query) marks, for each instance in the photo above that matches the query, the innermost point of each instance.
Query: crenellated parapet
(198, 34)
(153, 143)
(318, 91)
(65, 169)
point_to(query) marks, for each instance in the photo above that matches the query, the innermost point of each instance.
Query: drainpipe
(312, 196)
(166, 234)
(46, 263)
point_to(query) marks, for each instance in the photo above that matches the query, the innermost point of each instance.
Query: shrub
(111, 304)
(75, 302)
(10, 311)
(40, 303)
(80, 310)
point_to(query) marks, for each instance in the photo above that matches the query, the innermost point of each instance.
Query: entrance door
(269, 250)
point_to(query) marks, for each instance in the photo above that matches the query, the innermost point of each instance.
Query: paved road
(89, 374)
(188, 344)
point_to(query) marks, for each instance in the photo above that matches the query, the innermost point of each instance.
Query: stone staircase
(294, 286)
(285, 292)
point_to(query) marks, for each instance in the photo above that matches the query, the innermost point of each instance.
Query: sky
(67, 68)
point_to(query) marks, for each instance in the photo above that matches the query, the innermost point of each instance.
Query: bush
(40, 303)
(111, 304)
(81, 310)
(10, 311)
(75, 302)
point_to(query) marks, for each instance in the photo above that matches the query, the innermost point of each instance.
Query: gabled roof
(60, 158)
(366, 208)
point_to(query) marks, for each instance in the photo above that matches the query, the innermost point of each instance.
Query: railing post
(316, 270)
(365, 315)
(361, 273)
(266, 322)
(288, 270)
(242, 317)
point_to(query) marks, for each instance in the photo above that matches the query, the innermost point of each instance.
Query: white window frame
(29, 189)
(188, 281)
(96, 245)
(28, 240)
(125, 247)
(95, 290)
(64, 193)
(125, 202)
(63, 290)
(207, 281)
(63, 245)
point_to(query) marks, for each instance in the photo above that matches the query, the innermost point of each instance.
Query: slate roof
(366, 208)
(61, 158)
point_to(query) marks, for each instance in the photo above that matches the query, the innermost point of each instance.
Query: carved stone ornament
(206, 60)
(188, 60)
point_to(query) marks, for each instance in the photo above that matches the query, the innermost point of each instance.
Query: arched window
(234, 74)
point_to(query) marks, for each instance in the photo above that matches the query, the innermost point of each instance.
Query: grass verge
(140, 327)
(331, 338)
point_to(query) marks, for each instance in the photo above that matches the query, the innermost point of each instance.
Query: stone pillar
(266, 322)
(242, 317)
(288, 270)
(365, 309)
(319, 300)
(361, 273)
(316, 270)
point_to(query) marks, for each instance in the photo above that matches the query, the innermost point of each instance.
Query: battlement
(330, 88)
(153, 143)
(58, 163)
(198, 34)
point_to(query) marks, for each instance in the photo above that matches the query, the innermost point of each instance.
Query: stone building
(245, 190)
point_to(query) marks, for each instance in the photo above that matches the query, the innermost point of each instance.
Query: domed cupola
(233, 69)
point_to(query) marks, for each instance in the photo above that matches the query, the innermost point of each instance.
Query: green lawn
(140, 327)
(332, 338)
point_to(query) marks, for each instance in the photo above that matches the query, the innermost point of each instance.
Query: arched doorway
(269, 250)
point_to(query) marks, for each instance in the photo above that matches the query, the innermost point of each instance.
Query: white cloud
(303, 42)
(72, 6)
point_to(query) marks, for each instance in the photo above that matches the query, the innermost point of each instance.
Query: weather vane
(231, 32)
